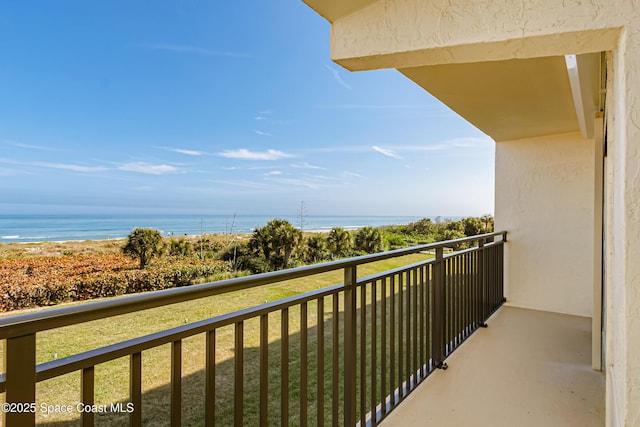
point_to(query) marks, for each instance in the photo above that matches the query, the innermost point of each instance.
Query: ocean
(56, 228)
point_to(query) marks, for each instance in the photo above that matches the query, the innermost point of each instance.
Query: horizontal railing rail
(86, 359)
(392, 330)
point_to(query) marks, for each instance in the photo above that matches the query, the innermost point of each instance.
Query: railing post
(484, 281)
(483, 263)
(501, 266)
(20, 370)
(350, 346)
(439, 321)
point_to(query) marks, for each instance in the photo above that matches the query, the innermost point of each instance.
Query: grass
(112, 377)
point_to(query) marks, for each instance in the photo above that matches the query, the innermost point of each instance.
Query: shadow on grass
(156, 402)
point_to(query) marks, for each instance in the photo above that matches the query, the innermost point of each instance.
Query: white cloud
(434, 147)
(262, 115)
(470, 142)
(323, 178)
(257, 168)
(147, 168)
(246, 184)
(244, 154)
(352, 174)
(273, 173)
(28, 146)
(449, 144)
(387, 152)
(337, 77)
(305, 165)
(297, 183)
(259, 132)
(189, 152)
(71, 167)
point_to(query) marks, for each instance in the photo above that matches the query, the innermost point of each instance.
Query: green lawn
(112, 378)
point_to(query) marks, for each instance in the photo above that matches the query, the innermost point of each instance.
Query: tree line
(279, 245)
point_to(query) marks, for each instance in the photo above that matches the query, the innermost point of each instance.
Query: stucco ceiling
(508, 100)
(333, 10)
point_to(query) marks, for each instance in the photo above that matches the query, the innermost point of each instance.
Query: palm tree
(144, 244)
(276, 241)
(316, 249)
(339, 241)
(473, 226)
(286, 239)
(261, 241)
(488, 223)
(369, 240)
(180, 248)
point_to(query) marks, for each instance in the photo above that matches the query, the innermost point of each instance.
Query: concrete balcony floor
(528, 368)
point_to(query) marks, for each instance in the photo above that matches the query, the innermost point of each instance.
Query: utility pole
(301, 214)
(229, 230)
(201, 238)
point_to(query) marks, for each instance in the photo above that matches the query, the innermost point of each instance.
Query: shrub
(452, 235)
(257, 265)
(395, 241)
(316, 249)
(339, 242)
(236, 255)
(179, 248)
(144, 244)
(423, 226)
(52, 280)
(369, 240)
(276, 242)
(472, 226)
(206, 247)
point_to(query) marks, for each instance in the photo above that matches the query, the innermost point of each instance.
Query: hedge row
(97, 284)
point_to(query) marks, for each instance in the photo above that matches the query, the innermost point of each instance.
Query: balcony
(356, 353)
(528, 368)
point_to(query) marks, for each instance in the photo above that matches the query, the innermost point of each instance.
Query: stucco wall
(622, 231)
(615, 354)
(544, 198)
(410, 33)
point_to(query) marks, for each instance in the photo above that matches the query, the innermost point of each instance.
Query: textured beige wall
(410, 33)
(615, 353)
(622, 230)
(544, 198)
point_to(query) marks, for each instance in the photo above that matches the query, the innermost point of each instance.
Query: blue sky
(214, 107)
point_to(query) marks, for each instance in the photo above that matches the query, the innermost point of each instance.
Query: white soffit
(508, 100)
(332, 10)
(584, 78)
(574, 81)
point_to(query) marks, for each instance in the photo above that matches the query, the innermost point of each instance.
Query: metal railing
(374, 340)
